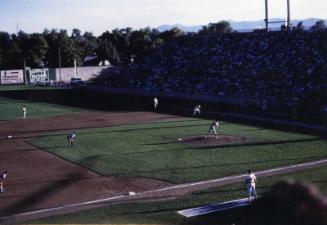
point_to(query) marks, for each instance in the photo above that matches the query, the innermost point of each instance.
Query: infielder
(197, 110)
(155, 103)
(213, 128)
(24, 112)
(250, 182)
(70, 139)
(2, 178)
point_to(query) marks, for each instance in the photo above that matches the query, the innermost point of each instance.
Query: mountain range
(243, 25)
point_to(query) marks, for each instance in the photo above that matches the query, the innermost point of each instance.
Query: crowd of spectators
(276, 67)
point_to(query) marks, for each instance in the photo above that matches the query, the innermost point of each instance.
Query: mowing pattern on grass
(151, 150)
(212, 140)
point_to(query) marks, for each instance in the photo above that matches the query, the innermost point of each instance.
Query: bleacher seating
(284, 67)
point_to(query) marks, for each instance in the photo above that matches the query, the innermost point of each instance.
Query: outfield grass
(164, 212)
(150, 150)
(12, 109)
(23, 87)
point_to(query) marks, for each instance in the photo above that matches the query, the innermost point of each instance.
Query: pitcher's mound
(211, 140)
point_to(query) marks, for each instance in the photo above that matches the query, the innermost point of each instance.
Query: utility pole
(288, 16)
(24, 71)
(75, 68)
(59, 59)
(266, 18)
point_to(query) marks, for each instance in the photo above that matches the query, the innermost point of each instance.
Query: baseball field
(160, 156)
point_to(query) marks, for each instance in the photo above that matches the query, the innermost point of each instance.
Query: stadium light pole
(266, 15)
(24, 71)
(75, 67)
(59, 59)
(288, 15)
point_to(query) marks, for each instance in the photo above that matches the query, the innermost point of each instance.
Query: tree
(5, 45)
(283, 27)
(37, 48)
(84, 45)
(220, 27)
(169, 35)
(68, 51)
(318, 26)
(299, 26)
(106, 49)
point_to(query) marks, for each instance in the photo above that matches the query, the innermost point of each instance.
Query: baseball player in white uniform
(71, 138)
(155, 102)
(24, 112)
(250, 182)
(197, 110)
(3, 176)
(213, 128)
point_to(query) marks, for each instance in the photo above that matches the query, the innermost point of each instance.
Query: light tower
(266, 18)
(267, 22)
(288, 15)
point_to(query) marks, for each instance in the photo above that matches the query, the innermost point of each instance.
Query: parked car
(77, 82)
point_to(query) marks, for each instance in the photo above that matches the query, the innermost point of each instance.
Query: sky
(98, 16)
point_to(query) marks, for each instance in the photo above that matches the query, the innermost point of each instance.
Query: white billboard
(38, 75)
(12, 77)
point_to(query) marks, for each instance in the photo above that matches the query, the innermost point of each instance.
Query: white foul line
(163, 189)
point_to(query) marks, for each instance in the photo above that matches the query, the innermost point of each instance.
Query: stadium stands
(284, 70)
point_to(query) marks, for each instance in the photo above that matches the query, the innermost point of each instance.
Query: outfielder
(2, 178)
(70, 139)
(24, 112)
(250, 182)
(213, 127)
(197, 110)
(155, 103)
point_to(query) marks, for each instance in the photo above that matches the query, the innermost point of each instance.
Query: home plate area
(212, 140)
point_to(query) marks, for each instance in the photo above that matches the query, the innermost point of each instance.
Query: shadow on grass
(252, 163)
(213, 147)
(33, 199)
(53, 187)
(261, 143)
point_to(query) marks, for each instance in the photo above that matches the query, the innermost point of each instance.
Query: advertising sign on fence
(38, 75)
(12, 77)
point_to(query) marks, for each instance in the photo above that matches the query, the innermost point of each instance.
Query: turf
(150, 150)
(12, 109)
(164, 212)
